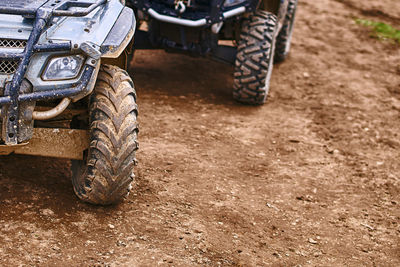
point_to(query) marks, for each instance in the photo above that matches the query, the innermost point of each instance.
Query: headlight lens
(228, 3)
(63, 68)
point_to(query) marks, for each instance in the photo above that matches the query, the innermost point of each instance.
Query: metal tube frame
(193, 23)
(10, 101)
(218, 13)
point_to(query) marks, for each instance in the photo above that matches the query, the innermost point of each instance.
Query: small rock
(111, 226)
(368, 226)
(301, 253)
(329, 150)
(396, 105)
(312, 241)
(47, 212)
(276, 254)
(131, 238)
(121, 243)
(317, 254)
(272, 206)
(306, 75)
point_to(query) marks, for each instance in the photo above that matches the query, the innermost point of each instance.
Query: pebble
(47, 212)
(276, 254)
(368, 226)
(312, 241)
(121, 243)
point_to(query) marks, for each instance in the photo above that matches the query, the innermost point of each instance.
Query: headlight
(228, 3)
(63, 68)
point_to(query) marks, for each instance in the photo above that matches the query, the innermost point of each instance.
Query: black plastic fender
(120, 35)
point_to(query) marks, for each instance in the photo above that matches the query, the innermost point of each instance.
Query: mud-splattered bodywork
(33, 33)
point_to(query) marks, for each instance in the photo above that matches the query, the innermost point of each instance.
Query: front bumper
(196, 23)
(208, 14)
(81, 88)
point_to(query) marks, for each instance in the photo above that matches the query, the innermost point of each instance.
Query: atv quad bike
(259, 32)
(64, 93)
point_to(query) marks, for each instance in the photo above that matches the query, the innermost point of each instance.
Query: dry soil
(312, 178)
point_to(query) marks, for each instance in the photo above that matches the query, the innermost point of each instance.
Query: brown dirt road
(312, 178)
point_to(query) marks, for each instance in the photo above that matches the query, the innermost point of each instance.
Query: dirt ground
(312, 178)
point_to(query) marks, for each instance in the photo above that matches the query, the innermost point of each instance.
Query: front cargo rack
(57, 8)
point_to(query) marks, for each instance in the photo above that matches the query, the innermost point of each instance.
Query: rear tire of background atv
(254, 59)
(285, 35)
(106, 175)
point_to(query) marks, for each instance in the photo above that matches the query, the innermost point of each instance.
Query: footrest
(52, 142)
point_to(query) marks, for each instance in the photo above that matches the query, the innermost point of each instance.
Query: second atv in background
(251, 34)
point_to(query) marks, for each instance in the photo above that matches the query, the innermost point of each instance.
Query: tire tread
(253, 60)
(108, 174)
